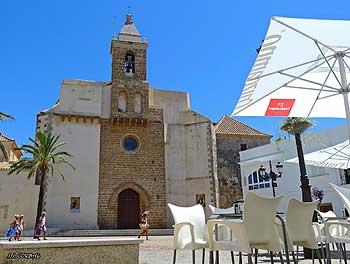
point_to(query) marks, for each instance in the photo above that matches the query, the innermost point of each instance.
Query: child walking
(13, 230)
(20, 227)
(144, 224)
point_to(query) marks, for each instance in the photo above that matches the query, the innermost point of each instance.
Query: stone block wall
(118, 51)
(143, 171)
(131, 88)
(228, 169)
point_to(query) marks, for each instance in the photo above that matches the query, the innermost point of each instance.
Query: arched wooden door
(128, 209)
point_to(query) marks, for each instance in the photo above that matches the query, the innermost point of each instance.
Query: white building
(289, 184)
(18, 195)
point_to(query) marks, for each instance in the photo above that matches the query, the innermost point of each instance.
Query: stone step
(111, 232)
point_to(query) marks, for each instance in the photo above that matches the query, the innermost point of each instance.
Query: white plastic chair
(300, 229)
(190, 230)
(238, 241)
(223, 232)
(333, 229)
(319, 227)
(259, 220)
(227, 235)
(344, 194)
(342, 236)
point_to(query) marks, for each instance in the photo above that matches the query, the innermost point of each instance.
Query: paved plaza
(159, 250)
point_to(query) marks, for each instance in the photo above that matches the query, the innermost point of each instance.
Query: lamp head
(262, 171)
(279, 168)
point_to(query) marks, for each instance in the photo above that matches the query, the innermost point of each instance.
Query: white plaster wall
(186, 164)
(186, 149)
(175, 170)
(82, 141)
(171, 102)
(289, 184)
(81, 97)
(106, 101)
(197, 150)
(18, 195)
(197, 163)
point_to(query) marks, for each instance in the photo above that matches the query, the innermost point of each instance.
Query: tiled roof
(3, 138)
(230, 126)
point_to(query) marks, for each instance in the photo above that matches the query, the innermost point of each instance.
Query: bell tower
(129, 53)
(132, 149)
(129, 85)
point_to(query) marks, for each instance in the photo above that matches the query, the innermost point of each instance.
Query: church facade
(135, 148)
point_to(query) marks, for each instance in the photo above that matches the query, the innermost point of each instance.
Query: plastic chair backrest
(259, 218)
(334, 230)
(299, 222)
(325, 215)
(344, 194)
(194, 214)
(217, 211)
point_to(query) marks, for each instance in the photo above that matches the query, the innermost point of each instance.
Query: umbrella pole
(344, 90)
(347, 112)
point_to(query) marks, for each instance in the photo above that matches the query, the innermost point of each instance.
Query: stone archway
(144, 202)
(128, 209)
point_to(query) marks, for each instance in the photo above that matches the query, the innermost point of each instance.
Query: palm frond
(4, 116)
(44, 156)
(64, 161)
(59, 171)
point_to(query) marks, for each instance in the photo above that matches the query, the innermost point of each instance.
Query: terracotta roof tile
(230, 126)
(3, 138)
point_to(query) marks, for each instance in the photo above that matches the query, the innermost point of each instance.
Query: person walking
(20, 227)
(144, 224)
(41, 228)
(13, 230)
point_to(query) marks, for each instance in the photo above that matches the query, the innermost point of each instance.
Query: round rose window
(130, 144)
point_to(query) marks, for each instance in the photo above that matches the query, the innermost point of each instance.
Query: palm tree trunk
(41, 200)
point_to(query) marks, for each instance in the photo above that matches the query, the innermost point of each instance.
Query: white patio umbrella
(337, 157)
(301, 70)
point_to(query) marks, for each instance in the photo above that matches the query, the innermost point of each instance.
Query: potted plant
(296, 125)
(317, 194)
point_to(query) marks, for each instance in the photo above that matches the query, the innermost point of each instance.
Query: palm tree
(4, 116)
(44, 162)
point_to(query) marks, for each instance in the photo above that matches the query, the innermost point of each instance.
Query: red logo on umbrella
(279, 107)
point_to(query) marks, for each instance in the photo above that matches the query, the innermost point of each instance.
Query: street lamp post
(271, 175)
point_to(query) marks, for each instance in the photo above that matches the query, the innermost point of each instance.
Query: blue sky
(203, 47)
